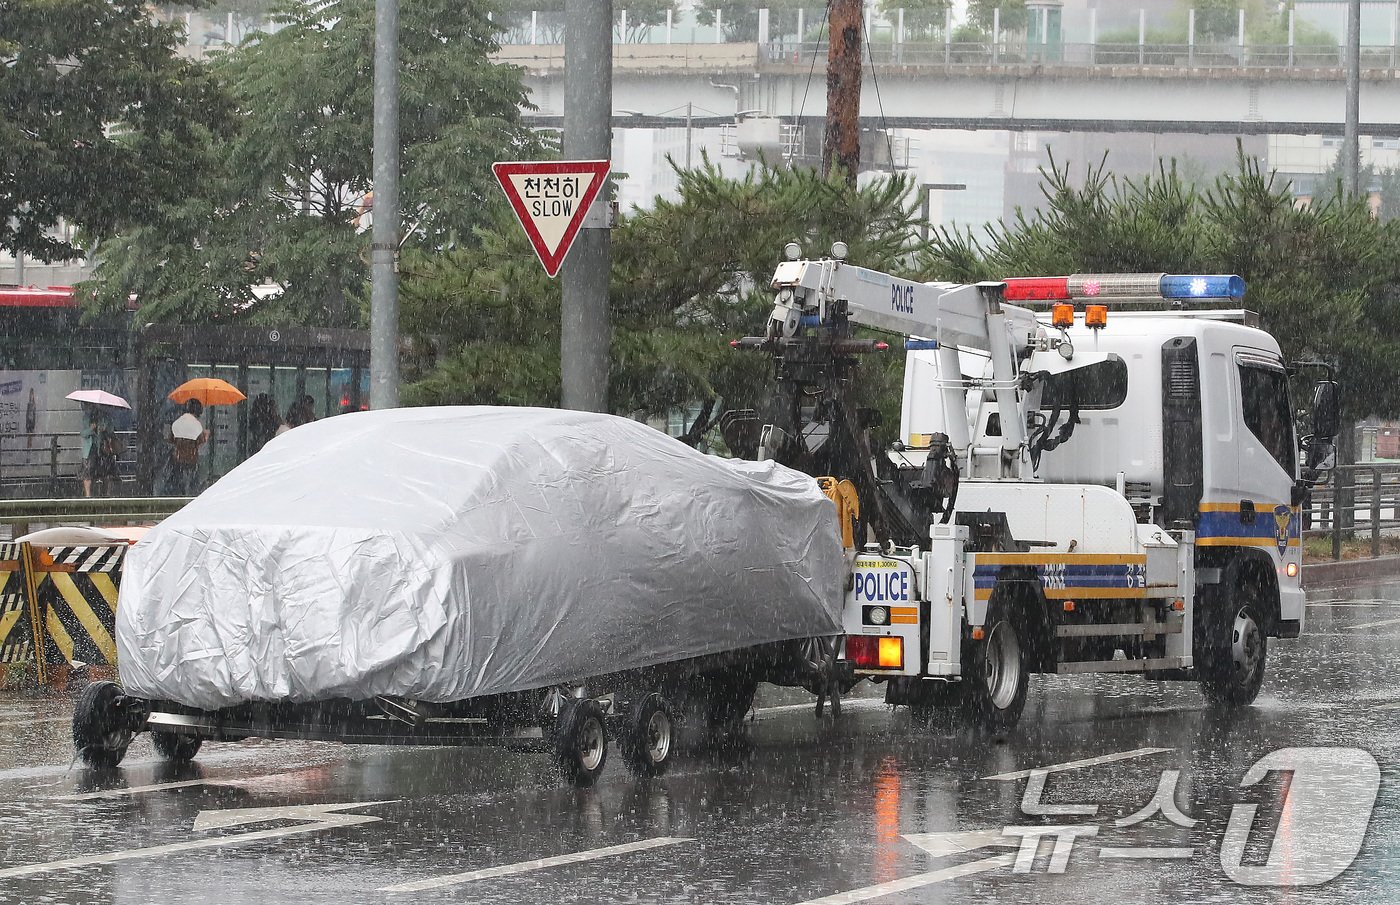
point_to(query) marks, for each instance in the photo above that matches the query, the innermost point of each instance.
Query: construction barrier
(58, 608)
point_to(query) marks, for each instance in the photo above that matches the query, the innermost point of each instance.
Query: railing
(1013, 52)
(51, 464)
(22, 516)
(1360, 501)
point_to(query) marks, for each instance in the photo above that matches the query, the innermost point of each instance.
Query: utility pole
(384, 248)
(1351, 149)
(841, 143)
(586, 327)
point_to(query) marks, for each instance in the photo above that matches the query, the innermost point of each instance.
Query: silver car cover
(445, 553)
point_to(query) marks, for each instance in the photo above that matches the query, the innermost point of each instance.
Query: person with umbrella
(100, 447)
(188, 434)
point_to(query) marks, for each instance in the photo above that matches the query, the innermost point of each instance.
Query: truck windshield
(1103, 385)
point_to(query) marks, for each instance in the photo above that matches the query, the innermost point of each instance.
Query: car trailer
(640, 709)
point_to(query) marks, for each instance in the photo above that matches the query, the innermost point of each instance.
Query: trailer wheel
(101, 732)
(648, 736)
(1232, 651)
(995, 668)
(581, 741)
(174, 746)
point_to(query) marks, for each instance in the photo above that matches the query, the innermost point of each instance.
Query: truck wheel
(995, 670)
(176, 747)
(581, 742)
(647, 737)
(1232, 651)
(100, 731)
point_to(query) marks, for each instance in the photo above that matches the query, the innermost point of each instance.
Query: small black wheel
(581, 741)
(101, 732)
(1232, 650)
(648, 736)
(995, 670)
(176, 747)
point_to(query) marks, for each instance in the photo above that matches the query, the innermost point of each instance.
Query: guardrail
(1359, 500)
(1012, 52)
(23, 515)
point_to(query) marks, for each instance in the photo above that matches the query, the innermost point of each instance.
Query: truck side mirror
(1326, 413)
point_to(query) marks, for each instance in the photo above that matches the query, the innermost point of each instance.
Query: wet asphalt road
(807, 810)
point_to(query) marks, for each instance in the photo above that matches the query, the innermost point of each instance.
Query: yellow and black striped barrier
(58, 607)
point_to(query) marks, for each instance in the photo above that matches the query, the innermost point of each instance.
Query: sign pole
(384, 247)
(586, 327)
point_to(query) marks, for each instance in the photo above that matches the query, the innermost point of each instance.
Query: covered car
(441, 554)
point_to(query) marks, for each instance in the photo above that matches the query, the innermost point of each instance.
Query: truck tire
(1231, 648)
(175, 747)
(648, 736)
(995, 669)
(581, 741)
(100, 731)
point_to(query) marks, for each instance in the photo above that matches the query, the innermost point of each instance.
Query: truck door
(1267, 448)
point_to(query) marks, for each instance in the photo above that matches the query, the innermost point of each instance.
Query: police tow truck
(1070, 493)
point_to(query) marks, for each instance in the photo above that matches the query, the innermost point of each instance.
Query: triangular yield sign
(551, 198)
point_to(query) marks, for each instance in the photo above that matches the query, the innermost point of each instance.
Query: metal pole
(384, 287)
(1351, 152)
(689, 111)
(1191, 37)
(586, 328)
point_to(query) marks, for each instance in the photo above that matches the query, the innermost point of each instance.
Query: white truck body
(1164, 528)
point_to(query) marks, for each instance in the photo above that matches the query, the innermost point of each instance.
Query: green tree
(922, 18)
(1325, 278)
(981, 13)
(688, 276)
(100, 121)
(290, 185)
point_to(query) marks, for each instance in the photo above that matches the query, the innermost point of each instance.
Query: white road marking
(1377, 624)
(904, 884)
(161, 786)
(1080, 764)
(1344, 603)
(1393, 705)
(323, 817)
(1144, 852)
(856, 703)
(940, 845)
(521, 867)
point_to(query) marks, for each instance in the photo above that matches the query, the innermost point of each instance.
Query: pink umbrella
(99, 397)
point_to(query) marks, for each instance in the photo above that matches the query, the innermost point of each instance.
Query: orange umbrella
(208, 390)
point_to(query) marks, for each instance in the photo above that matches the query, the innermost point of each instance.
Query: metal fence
(1360, 502)
(19, 517)
(1013, 52)
(50, 465)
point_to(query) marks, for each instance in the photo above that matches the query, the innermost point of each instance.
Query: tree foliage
(290, 185)
(101, 122)
(688, 276)
(1324, 278)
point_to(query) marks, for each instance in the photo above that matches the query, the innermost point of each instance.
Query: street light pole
(1351, 149)
(384, 288)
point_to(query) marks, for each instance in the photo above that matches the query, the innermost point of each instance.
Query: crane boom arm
(949, 313)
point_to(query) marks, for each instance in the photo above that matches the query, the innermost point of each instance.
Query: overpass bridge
(1233, 89)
